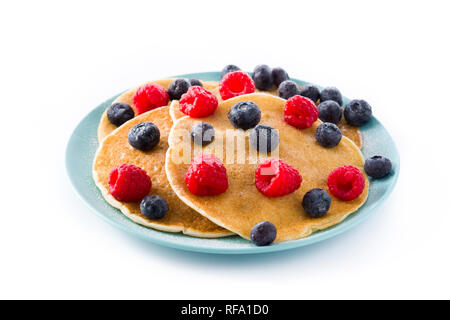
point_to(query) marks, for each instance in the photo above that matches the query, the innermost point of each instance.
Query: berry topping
(154, 207)
(202, 133)
(378, 167)
(264, 138)
(235, 84)
(287, 89)
(346, 183)
(316, 203)
(119, 113)
(129, 183)
(328, 135)
(229, 68)
(149, 97)
(244, 115)
(263, 233)
(310, 91)
(300, 112)
(279, 75)
(177, 88)
(198, 102)
(206, 176)
(262, 76)
(276, 178)
(195, 82)
(357, 113)
(331, 93)
(330, 111)
(144, 136)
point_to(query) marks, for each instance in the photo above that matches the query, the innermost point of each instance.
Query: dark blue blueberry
(119, 113)
(311, 92)
(331, 93)
(357, 113)
(229, 68)
(328, 135)
(378, 167)
(279, 75)
(177, 88)
(330, 111)
(263, 233)
(154, 207)
(202, 133)
(288, 89)
(316, 203)
(144, 136)
(264, 138)
(195, 82)
(262, 77)
(244, 115)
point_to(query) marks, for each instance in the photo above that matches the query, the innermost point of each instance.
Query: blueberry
(331, 93)
(119, 113)
(316, 203)
(262, 76)
(195, 82)
(330, 111)
(264, 138)
(229, 68)
(202, 133)
(279, 75)
(287, 89)
(244, 115)
(328, 135)
(177, 88)
(378, 167)
(311, 92)
(357, 113)
(154, 207)
(144, 136)
(263, 233)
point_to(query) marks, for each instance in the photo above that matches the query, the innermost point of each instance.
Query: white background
(59, 60)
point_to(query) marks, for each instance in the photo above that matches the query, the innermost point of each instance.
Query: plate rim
(325, 234)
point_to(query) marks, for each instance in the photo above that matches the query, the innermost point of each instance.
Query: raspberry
(206, 176)
(149, 97)
(198, 102)
(235, 84)
(129, 183)
(276, 178)
(300, 112)
(346, 183)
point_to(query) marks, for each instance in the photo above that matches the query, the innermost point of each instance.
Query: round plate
(83, 144)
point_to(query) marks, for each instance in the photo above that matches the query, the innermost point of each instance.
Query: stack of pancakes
(238, 209)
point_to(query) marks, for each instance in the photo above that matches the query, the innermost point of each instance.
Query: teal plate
(83, 144)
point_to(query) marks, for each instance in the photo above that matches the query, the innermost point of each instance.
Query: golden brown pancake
(242, 205)
(350, 132)
(115, 150)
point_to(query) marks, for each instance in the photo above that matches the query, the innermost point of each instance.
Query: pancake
(105, 127)
(242, 205)
(115, 150)
(350, 132)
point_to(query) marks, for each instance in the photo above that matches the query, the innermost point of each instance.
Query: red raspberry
(198, 102)
(276, 178)
(300, 112)
(150, 96)
(235, 84)
(346, 183)
(206, 176)
(129, 183)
